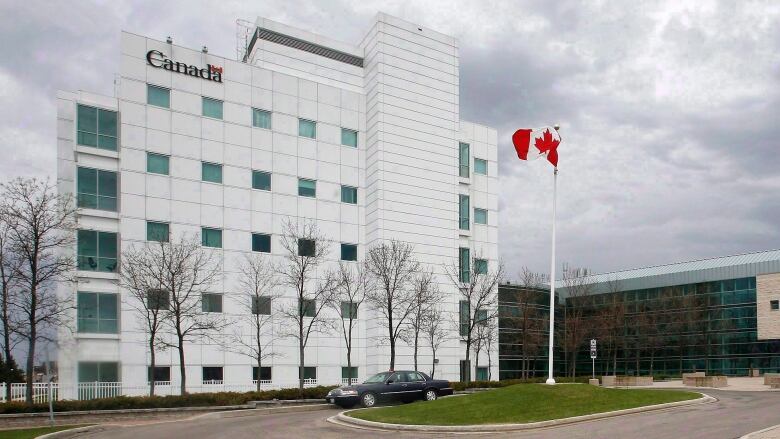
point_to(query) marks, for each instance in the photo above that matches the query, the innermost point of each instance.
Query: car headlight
(349, 392)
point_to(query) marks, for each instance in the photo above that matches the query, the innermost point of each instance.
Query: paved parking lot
(735, 414)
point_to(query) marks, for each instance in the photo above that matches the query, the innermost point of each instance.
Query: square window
(211, 302)
(157, 163)
(261, 243)
(309, 373)
(261, 180)
(482, 372)
(261, 305)
(158, 96)
(349, 310)
(774, 304)
(480, 216)
(349, 194)
(102, 372)
(265, 373)
(480, 266)
(157, 231)
(306, 247)
(261, 118)
(349, 372)
(212, 374)
(212, 108)
(211, 172)
(158, 300)
(96, 251)
(160, 374)
(307, 188)
(211, 237)
(349, 137)
(307, 307)
(97, 313)
(307, 128)
(480, 166)
(348, 252)
(96, 189)
(463, 160)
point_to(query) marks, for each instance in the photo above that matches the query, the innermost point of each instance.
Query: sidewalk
(740, 384)
(769, 433)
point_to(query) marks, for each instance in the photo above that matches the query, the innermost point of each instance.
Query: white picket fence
(95, 390)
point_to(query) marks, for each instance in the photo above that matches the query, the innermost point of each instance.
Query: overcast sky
(669, 112)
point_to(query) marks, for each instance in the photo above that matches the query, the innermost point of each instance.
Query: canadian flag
(534, 143)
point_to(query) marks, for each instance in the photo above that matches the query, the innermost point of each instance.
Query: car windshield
(378, 378)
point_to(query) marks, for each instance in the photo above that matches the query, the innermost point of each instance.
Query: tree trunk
(30, 366)
(7, 342)
(300, 368)
(416, 337)
(259, 366)
(468, 361)
(433, 362)
(392, 347)
(151, 367)
(182, 366)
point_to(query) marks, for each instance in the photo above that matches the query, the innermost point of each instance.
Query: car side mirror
(389, 382)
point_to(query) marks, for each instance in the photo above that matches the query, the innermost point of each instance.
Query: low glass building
(716, 315)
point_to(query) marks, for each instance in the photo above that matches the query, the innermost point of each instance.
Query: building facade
(718, 315)
(364, 140)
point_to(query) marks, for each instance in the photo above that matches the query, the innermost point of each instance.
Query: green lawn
(521, 403)
(30, 433)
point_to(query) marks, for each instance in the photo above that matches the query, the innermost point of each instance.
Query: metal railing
(98, 389)
(348, 381)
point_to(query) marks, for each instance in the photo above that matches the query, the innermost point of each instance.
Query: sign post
(593, 356)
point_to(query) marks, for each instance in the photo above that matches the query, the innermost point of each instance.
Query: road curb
(70, 432)
(756, 433)
(343, 419)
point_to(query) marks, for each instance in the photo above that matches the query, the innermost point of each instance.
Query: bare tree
(9, 271)
(435, 332)
(41, 225)
(187, 271)
(257, 293)
(478, 286)
(528, 319)
(351, 286)
(575, 328)
(610, 325)
(145, 275)
(305, 249)
(490, 333)
(426, 294)
(392, 268)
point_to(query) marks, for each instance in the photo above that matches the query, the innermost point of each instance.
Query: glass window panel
(107, 252)
(158, 299)
(107, 122)
(349, 372)
(261, 180)
(158, 96)
(307, 307)
(306, 247)
(157, 163)
(86, 183)
(463, 264)
(480, 166)
(261, 243)
(480, 266)
(464, 317)
(211, 302)
(349, 137)
(107, 190)
(107, 142)
(212, 373)
(310, 373)
(463, 159)
(261, 118)
(348, 252)
(463, 212)
(212, 108)
(211, 172)
(265, 373)
(307, 188)
(157, 231)
(480, 216)
(87, 250)
(87, 312)
(349, 194)
(211, 237)
(261, 305)
(161, 373)
(88, 372)
(87, 119)
(349, 310)
(307, 128)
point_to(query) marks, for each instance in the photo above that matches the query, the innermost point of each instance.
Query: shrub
(147, 402)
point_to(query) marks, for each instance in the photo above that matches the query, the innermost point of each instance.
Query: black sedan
(400, 385)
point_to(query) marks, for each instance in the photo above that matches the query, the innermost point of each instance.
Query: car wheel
(368, 400)
(430, 395)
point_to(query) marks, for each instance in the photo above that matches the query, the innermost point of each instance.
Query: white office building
(364, 139)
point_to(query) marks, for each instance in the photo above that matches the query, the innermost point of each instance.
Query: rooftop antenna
(169, 40)
(244, 30)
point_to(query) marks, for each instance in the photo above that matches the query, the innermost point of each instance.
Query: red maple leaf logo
(546, 144)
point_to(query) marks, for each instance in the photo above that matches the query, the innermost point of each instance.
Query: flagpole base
(550, 381)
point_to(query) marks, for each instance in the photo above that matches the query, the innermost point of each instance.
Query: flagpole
(550, 379)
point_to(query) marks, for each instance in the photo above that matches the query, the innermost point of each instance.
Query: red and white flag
(534, 143)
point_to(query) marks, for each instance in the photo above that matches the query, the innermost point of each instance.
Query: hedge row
(214, 399)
